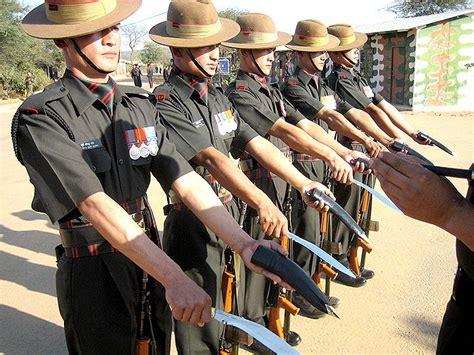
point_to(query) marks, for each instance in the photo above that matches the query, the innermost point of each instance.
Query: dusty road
(399, 311)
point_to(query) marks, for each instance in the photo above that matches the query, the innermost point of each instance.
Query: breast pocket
(98, 159)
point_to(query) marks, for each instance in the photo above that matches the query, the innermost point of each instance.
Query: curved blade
(262, 334)
(402, 147)
(377, 194)
(435, 142)
(337, 210)
(322, 254)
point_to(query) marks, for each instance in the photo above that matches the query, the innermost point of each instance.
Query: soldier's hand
(272, 221)
(358, 167)
(318, 205)
(247, 251)
(414, 136)
(188, 302)
(373, 147)
(341, 170)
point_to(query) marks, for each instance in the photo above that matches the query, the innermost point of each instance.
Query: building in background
(422, 63)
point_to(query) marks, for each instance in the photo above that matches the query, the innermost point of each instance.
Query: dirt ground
(399, 311)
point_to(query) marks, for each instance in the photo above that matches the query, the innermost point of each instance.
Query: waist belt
(253, 170)
(180, 206)
(79, 237)
(303, 157)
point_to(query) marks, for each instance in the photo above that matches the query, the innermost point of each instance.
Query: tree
(152, 53)
(135, 35)
(413, 8)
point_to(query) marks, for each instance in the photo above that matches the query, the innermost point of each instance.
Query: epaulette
(162, 92)
(134, 91)
(241, 85)
(36, 103)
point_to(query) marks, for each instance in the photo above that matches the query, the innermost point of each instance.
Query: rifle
(142, 343)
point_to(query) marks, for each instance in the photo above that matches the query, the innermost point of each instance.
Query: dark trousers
(456, 335)
(98, 300)
(200, 253)
(306, 221)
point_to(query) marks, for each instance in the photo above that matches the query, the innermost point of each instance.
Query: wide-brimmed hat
(347, 37)
(75, 18)
(192, 24)
(257, 31)
(312, 36)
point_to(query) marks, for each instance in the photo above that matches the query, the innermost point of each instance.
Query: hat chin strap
(88, 61)
(312, 63)
(199, 66)
(349, 59)
(256, 64)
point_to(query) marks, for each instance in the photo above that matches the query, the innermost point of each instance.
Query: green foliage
(155, 54)
(20, 54)
(413, 8)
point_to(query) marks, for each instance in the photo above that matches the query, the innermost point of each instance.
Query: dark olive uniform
(72, 148)
(261, 106)
(353, 89)
(195, 123)
(309, 94)
(455, 335)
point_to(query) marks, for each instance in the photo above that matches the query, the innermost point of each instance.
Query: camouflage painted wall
(388, 60)
(444, 51)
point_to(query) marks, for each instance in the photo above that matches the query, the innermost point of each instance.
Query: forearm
(337, 122)
(366, 124)
(396, 117)
(196, 193)
(118, 228)
(318, 134)
(460, 223)
(273, 160)
(383, 121)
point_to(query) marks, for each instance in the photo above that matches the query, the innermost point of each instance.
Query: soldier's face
(208, 59)
(102, 48)
(264, 58)
(353, 55)
(318, 59)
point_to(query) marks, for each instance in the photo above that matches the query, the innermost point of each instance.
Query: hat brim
(283, 38)
(361, 38)
(332, 43)
(37, 25)
(159, 35)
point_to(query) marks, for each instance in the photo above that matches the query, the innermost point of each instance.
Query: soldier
(311, 95)
(354, 89)
(89, 146)
(205, 128)
(263, 107)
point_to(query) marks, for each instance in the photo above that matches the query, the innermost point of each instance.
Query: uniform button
(148, 159)
(121, 161)
(94, 168)
(62, 88)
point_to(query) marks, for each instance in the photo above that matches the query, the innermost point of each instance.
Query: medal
(152, 140)
(134, 152)
(144, 152)
(153, 148)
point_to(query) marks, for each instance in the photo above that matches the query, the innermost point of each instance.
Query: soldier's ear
(176, 52)
(60, 43)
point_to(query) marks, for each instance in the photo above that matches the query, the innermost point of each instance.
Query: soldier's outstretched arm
(300, 141)
(273, 160)
(187, 300)
(398, 120)
(383, 121)
(365, 122)
(341, 125)
(318, 133)
(226, 172)
(198, 195)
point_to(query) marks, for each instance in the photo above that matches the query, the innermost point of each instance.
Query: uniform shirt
(465, 255)
(194, 125)
(261, 107)
(352, 88)
(309, 94)
(64, 171)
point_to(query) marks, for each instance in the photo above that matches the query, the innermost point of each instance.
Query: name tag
(91, 145)
(328, 102)
(225, 122)
(368, 92)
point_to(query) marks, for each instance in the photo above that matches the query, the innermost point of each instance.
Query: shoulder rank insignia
(293, 81)
(241, 85)
(162, 94)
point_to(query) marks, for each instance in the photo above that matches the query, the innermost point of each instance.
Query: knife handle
(353, 162)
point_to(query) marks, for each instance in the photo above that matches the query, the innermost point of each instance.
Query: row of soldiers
(89, 146)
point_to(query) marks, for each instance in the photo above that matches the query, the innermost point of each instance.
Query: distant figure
(166, 73)
(54, 73)
(29, 82)
(137, 75)
(149, 75)
(289, 66)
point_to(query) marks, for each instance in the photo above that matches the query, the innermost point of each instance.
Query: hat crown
(341, 30)
(256, 22)
(192, 12)
(69, 12)
(311, 28)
